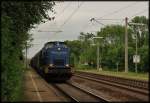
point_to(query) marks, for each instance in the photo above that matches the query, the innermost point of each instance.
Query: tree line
(17, 18)
(83, 54)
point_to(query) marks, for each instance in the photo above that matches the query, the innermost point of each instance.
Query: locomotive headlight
(51, 65)
(58, 48)
(67, 65)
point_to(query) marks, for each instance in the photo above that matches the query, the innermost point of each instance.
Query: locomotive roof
(53, 42)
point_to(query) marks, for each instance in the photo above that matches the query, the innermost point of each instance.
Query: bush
(12, 66)
(17, 19)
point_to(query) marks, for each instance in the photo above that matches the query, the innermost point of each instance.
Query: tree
(75, 49)
(112, 46)
(17, 19)
(143, 36)
(142, 41)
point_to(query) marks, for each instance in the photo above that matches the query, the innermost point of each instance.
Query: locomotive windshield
(59, 52)
(50, 44)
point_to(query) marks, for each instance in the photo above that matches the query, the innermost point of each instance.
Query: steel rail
(124, 81)
(115, 84)
(66, 94)
(80, 89)
(88, 92)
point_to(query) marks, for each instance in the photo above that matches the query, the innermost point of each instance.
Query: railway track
(73, 92)
(133, 89)
(77, 93)
(141, 84)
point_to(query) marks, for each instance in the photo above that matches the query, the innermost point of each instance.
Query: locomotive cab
(55, 57)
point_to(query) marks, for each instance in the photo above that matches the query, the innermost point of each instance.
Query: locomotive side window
(48, 46)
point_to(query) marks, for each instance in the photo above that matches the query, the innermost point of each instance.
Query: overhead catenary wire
(66, 21)
(101, 18)
(118, 10)
(64, 9)
(71, 15)
(85, 26)
(97, 21)
(61, 12)
(111, 13)
(138, 13)
(59, 16)
(121, 20)
(109, 19)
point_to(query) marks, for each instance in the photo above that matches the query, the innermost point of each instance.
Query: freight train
(52, 61)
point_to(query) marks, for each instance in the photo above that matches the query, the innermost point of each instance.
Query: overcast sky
(79, 21)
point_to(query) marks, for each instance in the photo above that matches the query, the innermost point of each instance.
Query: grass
(132, 75)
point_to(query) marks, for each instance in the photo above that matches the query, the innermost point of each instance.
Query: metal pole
(97, 56)
(126, 45)
(98, 53)
(100, 59)
(117, 66)
(26, 55)
(136, 54)
(136, 24)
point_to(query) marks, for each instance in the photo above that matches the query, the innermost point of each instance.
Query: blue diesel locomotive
(52, 61)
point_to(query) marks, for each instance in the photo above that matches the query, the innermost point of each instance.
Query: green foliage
(144, 64)
(84, 67)
(75, 48)
(113, 34)
(11, 64)
(17, 19)
(140, 19)
(112, 47)
(142, 41)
